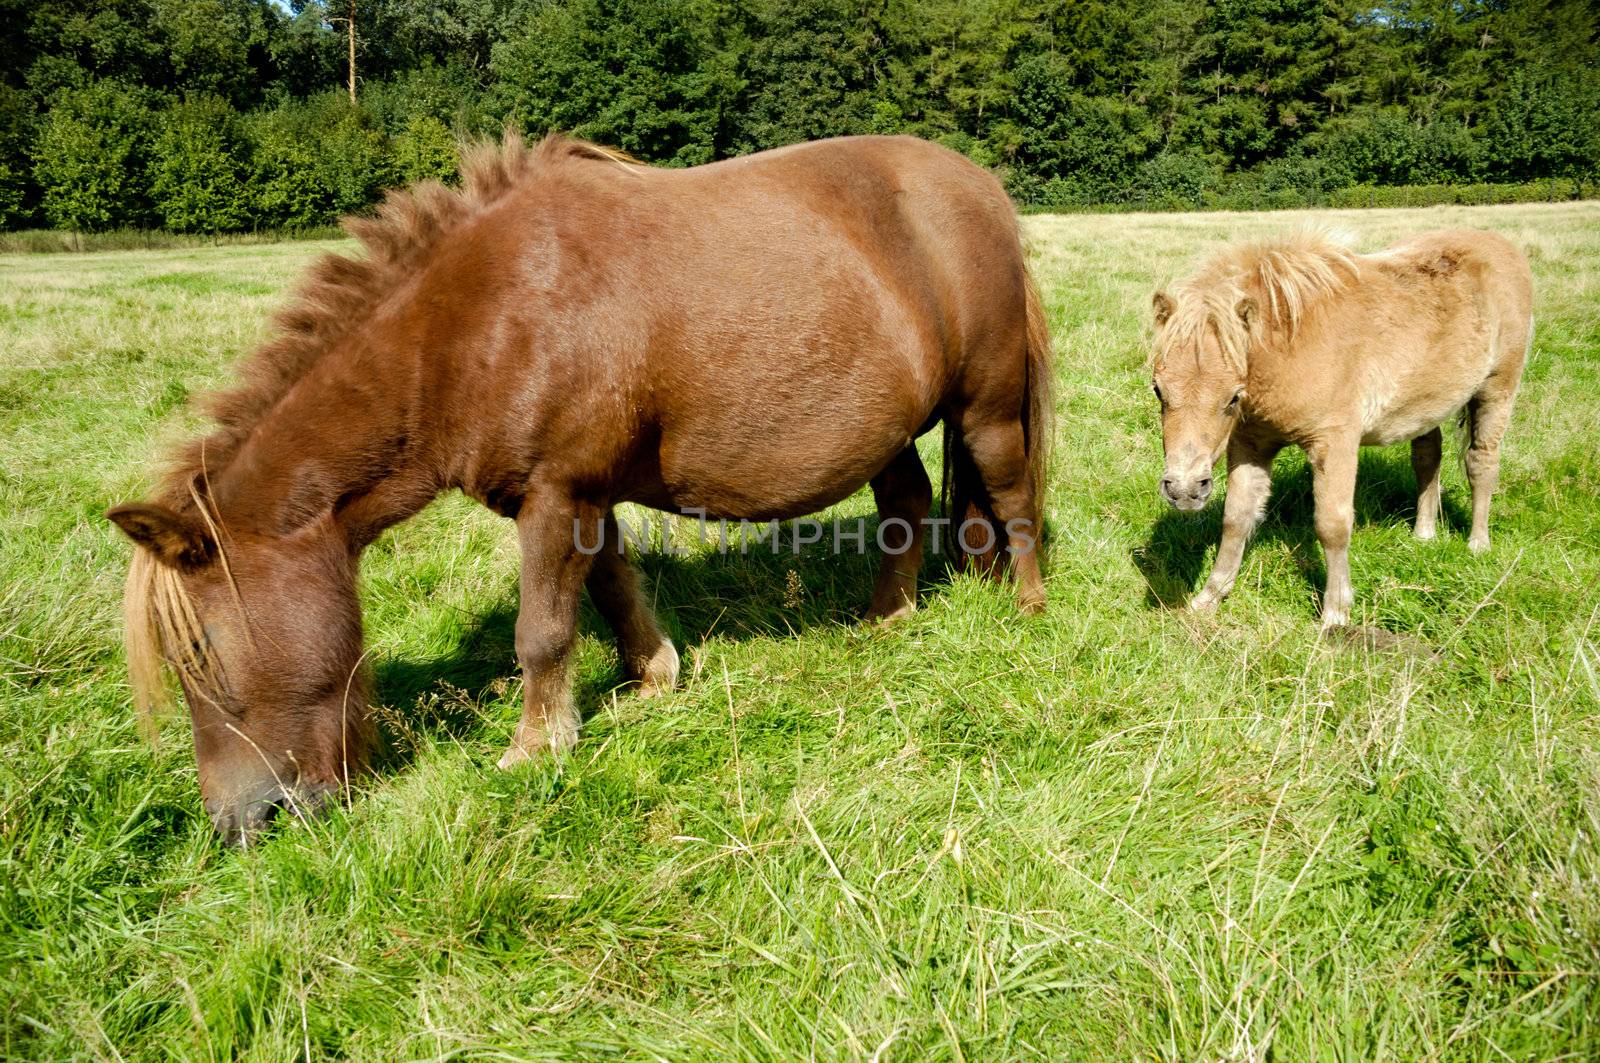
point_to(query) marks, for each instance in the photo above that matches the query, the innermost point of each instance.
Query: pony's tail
(961, 493)
(1038, 401)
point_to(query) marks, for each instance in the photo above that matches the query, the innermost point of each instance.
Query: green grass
(1116, 831)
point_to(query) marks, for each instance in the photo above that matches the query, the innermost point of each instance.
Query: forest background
(219, 116)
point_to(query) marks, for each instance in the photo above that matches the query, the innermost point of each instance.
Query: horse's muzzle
(1186, 494)
(241, 820)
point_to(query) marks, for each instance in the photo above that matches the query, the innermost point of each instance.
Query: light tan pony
(1301, 340)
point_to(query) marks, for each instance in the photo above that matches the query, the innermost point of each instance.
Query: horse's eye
(1233, 403)
(1159, 397)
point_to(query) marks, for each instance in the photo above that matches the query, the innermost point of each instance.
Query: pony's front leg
(1249, 483)
(1333, 468)
(550, 527)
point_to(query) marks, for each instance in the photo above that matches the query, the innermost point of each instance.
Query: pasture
(1113, 831)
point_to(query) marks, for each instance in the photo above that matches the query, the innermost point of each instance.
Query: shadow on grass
(773, 589)
(1172, 559)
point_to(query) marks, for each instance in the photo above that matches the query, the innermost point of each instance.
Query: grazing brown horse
(1302, 341)
(755, 338)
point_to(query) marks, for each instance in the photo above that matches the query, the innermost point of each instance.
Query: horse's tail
(1038, 401)
(962, 494)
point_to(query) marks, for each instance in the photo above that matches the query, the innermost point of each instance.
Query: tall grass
(1115, 831)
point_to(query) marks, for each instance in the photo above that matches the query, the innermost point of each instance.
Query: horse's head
(264, 636)
(1201, 351)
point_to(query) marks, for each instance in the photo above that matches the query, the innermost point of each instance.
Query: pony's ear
(175, 540)
(1162, 305)
(1246, 309)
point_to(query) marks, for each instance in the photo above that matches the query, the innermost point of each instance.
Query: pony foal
(755, 338)
(1300, 340)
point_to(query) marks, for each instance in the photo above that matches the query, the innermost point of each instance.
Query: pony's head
(1201, 366)
(1244, 299)
(264, 637)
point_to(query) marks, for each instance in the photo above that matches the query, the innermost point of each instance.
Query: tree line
(225, 115)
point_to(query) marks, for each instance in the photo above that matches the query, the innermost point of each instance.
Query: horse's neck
(343, 442)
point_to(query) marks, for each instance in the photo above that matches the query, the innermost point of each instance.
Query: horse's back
(788, 321)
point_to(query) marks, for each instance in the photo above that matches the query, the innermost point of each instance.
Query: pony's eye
(1233, 403)
(1159, 397)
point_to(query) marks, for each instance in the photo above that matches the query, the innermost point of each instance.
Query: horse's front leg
(1333, 487)
(1249, 483)
(550, 527)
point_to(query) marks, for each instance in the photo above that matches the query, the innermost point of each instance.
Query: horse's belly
(785, 474)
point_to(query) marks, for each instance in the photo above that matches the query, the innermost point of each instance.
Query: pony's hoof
(1478, 544)
(660, 672)
(884, 617)
(1031, 604)
(1332, 618)
(1204, 602)
(552, 738)
(1426, 533)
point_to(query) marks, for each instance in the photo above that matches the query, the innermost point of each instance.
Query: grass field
(1115, 831)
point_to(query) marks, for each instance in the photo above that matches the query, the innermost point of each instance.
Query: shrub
(90, 157)
(198, 174)
(425, 149)
(315, 161)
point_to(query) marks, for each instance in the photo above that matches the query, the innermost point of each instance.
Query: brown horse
(1302, 341)
(755, 338)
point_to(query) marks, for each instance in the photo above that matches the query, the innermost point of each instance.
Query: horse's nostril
(239, 821)
(1204, 486)
(1166, 486)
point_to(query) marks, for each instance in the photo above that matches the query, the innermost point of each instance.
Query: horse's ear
(1161, 303)
(174, 539)
(1246, 309)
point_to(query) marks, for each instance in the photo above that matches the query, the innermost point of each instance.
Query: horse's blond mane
(339, 291)
(162, 635)
(1289, 274)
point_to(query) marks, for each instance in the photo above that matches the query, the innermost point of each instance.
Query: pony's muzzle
(241, 819)
(1186, 493)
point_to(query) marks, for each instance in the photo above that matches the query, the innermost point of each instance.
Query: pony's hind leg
(1426, 450)
(550, 527)
(904, 496)
(648, 655)
(1000, 456)
(1487, 416)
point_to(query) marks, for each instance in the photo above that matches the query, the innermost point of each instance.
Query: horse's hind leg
(550, 528)
(998, 452)
(648, 655)
(1425, 457)
(904, 496)
(1487, 416)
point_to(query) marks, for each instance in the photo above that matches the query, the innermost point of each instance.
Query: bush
(1387, 148)
(198, 175)
(1174, 181)
(315, 161)
(426, 149)
(90, 158)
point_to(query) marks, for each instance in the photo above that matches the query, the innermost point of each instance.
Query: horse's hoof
(883, 617)
(1204, 602)
(1478, 544)
(555, 738)
(660, 672)
(1332, 618)
(1426, 533)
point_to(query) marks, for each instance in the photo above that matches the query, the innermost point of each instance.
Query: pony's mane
(339, 292)
(1291, 274)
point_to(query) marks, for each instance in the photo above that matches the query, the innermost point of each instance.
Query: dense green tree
(198, 172)
(1165, 102)
(90, 157)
